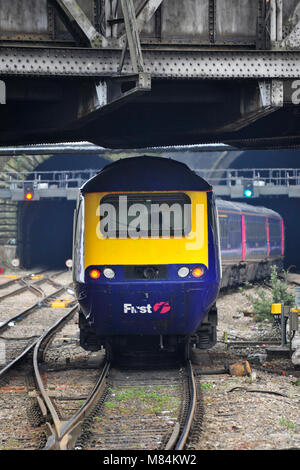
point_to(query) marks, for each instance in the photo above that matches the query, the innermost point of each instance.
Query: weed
(261, 301)
(97, 418)
(110, 404)
(206, 386)
(288, 424)
(153, 401)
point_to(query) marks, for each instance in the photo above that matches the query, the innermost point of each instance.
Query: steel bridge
(138, 73)
(226, 183)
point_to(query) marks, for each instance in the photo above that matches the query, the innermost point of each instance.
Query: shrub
(280, 291)
(261, 301)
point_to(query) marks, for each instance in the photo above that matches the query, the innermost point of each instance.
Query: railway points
(30, 319)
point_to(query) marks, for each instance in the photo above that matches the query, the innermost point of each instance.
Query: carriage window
(235, 224)
(255, 228)
(223, 223)
(145, 215)
(275, 229)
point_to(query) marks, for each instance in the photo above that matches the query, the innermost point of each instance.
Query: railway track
(29, 282)
(15, 279)
(33, 287)
(77, 400)
(116, 407)
(124, 409)
(72, 421)
(14, 343)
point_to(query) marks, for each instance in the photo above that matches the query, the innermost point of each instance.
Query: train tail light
(94, 273)
(198, 272)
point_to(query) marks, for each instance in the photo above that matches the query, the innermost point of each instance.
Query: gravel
(257, 412)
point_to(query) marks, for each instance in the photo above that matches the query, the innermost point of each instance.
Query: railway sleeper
(34, 414)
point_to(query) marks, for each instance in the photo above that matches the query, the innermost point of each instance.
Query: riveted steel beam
(192, 64)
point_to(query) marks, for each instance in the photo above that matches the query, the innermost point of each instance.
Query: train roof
(146, 173)
(243, 207)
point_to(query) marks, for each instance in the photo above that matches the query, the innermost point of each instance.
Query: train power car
(146, 260)
(252, 239)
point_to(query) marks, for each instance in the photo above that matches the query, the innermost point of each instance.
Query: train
(152, 247)
(252, 239)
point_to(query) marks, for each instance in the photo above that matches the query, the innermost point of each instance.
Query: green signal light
(248, 193)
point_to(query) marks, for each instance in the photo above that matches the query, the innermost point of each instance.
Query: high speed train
(150, 245)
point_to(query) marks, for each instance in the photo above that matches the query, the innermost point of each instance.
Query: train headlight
(109, 273)
(183, 272)
(94, 273)
(198, 272)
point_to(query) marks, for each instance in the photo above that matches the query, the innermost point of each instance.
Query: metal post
(283, 333)
(290, 330)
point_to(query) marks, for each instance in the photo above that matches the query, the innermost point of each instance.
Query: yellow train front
(146, 262)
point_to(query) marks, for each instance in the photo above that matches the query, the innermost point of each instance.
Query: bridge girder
(191, 72)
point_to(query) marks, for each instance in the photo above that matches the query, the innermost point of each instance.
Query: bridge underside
(128, 74)
(174, 112)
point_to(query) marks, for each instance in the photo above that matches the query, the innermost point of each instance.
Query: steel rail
(23, 280)
(182, 439)
(23, 314)
(32, 287)
(17, 359)
(38, 352)
(68, 431)
(63, 433)
(19, 279)
(32, 307)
